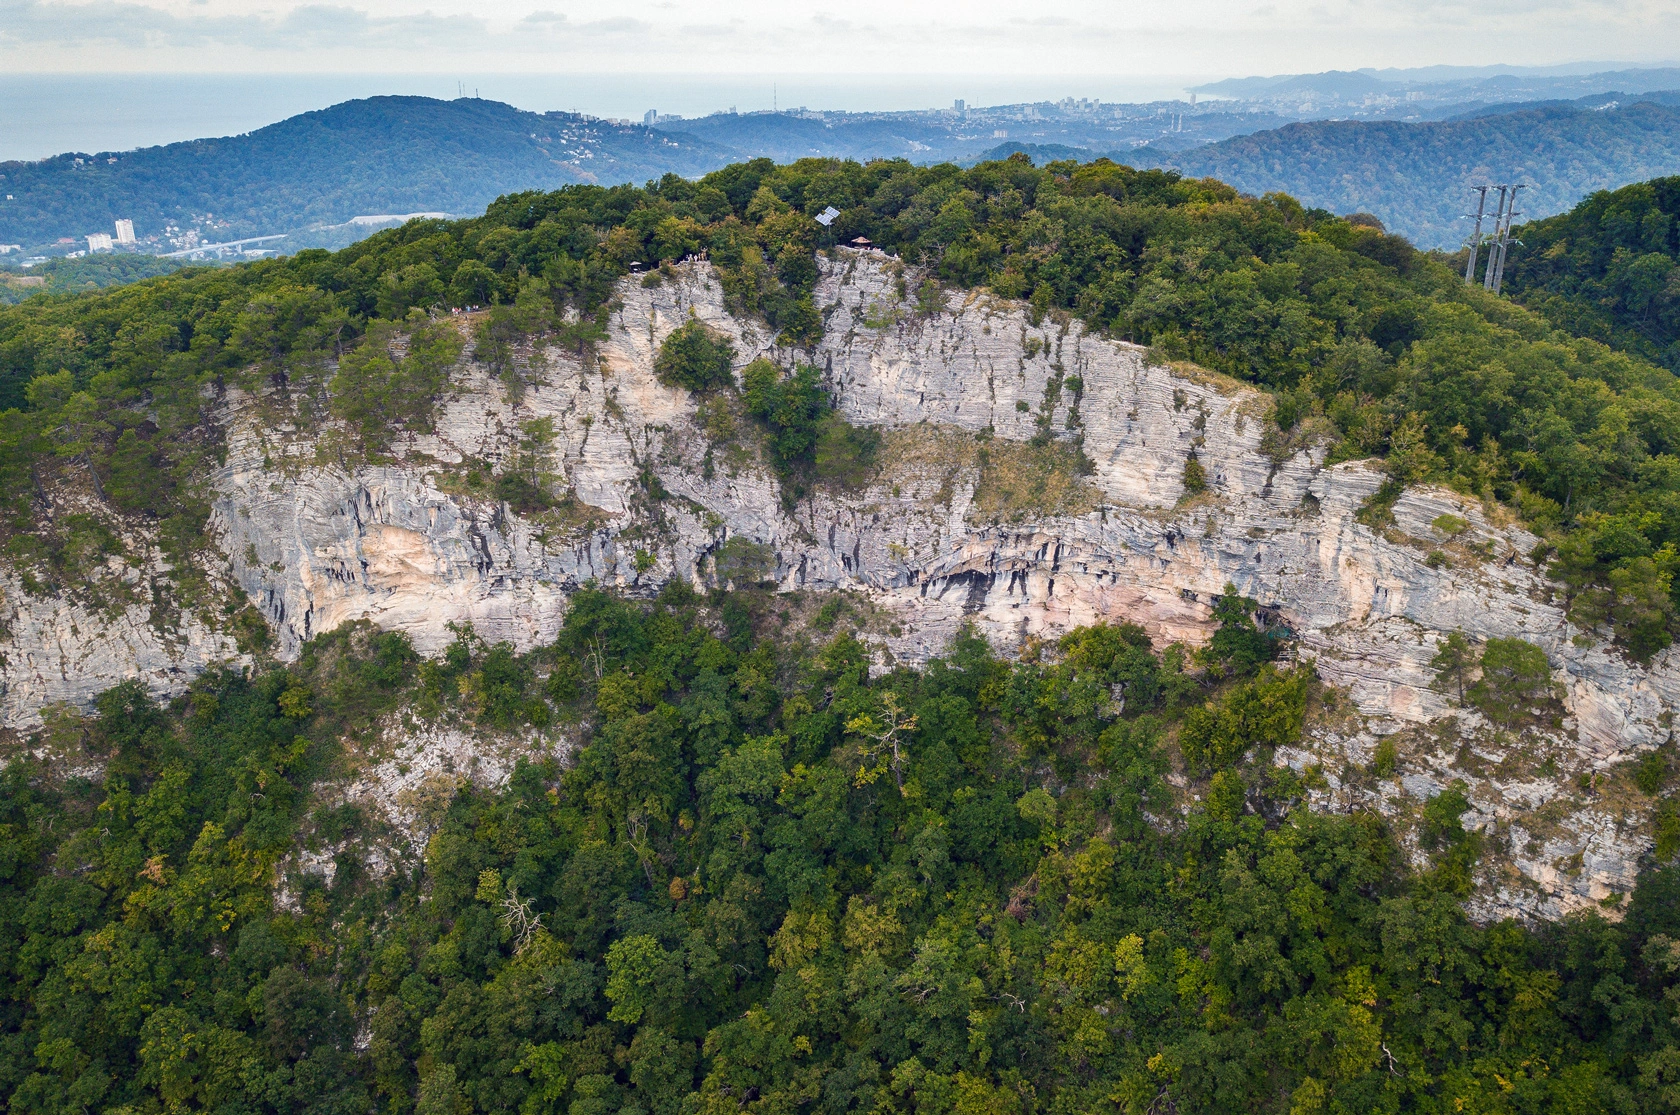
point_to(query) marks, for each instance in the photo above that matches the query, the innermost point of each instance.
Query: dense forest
(1416, 176)
(764, 881)
(75, 276)
(1609, 269)
(373, 156)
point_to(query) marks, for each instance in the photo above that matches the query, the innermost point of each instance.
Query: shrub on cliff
(1515, 678)
(694, 357)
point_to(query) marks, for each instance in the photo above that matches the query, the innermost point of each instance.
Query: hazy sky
(1122, 37)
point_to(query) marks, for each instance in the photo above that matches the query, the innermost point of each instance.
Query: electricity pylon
(1505, 239)
(1476, 237)
(1493, 248)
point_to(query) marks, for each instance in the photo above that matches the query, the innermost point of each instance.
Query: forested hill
(1415, 176)
(374, 156)
(745, 872)
(766, 882)
(1609, 268)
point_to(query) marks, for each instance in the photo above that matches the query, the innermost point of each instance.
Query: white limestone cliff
(315, 546)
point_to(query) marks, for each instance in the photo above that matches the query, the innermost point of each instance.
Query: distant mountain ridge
(379, 155)
(1450, 83)
(1416, 176)
(400, 155)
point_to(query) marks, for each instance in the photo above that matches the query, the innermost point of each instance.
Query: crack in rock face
(944, 536)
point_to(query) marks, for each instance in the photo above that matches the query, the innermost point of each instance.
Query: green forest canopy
(766, 882)
(1357, 336)
(1609, 269)
(74, 276)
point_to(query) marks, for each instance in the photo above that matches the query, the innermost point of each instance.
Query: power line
(1505, 213)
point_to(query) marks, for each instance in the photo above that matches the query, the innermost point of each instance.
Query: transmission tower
(1493, 248)
(1505, 238)
(1476, 237)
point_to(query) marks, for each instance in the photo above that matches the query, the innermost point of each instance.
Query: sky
(1136, 39)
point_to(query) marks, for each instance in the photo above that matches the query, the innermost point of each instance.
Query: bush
(1266, 712)
(1387, 755)
(744, 561)
(1238, 645)
(845, 454)
(694, 357)
(1450, 525)
(1195, 477)
(1442, 832)
(1515, 677)
(1651, 773)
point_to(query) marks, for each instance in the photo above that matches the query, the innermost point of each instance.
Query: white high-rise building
(125, 232)
(99, 242)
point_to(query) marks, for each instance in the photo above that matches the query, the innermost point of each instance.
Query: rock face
(656, 490)
(59, 651)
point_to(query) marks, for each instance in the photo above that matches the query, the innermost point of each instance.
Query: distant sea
(50, 114)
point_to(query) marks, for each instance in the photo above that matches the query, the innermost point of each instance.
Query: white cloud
(1113, 37)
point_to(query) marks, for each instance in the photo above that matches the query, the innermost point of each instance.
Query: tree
(883, 734)
(473, 284)
(743, 562)
(695, 357)
(1452, 663)
(1238, 644)
(414, 286)
(137, 480)
(1195, 476)
(635, 965)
